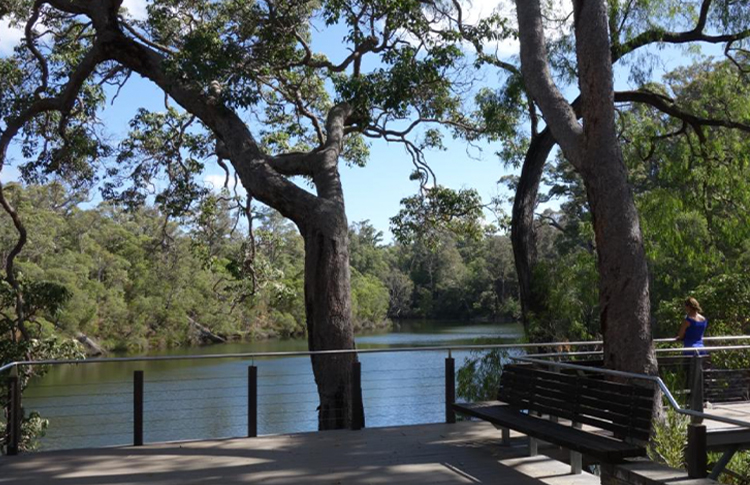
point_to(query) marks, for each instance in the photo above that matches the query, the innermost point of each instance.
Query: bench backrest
(624, 409)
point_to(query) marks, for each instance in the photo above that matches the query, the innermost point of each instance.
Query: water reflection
(91, 405)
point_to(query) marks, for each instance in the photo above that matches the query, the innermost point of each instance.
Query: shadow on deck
(466, 452)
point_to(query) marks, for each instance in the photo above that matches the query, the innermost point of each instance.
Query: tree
(633, 28)
(219, 61)
(692, 192)
(594, 151)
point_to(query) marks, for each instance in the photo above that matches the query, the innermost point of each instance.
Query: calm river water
(91, 405)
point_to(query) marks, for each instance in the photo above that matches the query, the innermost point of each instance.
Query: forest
(110, 265)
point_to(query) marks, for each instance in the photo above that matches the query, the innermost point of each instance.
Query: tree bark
(625, 311)
(328, 309)
(328, 304)
(522, 232)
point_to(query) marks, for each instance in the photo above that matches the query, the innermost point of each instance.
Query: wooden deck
(739, 411)
(466, 452)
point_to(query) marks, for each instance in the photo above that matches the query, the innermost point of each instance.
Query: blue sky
(373, 192)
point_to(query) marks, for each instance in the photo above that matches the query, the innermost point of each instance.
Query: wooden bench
(617, 415)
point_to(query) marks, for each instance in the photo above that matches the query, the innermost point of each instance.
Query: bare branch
(145, 40)
(29, 34)
(370, 44)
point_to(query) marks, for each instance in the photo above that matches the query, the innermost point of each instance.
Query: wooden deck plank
(466, 452)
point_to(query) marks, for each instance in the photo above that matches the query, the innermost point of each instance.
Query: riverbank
(202, 336)
(198, 335)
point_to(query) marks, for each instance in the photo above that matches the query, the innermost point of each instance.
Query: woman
(692, 329)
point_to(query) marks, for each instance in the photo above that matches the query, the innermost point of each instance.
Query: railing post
(450, 389)
(696, 387)
(696, 452)
(356, 397)
(14, 413)
(138, 408)
(696, 456)
(252, 401)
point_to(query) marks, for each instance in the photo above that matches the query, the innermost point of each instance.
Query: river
(91, 405)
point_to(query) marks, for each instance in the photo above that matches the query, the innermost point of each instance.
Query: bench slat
(547, 407)
(590, 387)
(614, 387)
(603, 448)
(620, 408)
(584, 396)
(591, 407)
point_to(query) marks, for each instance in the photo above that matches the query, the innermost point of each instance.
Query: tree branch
(666, 105)
(296, 163)
(694, 35)
(145, 40)
(538, 80)
(63, 103)
(266, 184)
(370, 44)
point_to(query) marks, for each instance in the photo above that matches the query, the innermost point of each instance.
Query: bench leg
(533, 447)
(723, 462)
(576, 463)
(506, 434)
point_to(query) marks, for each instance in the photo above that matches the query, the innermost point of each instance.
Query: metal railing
(136, 404)
(655, 379)
(307, 353)
(696, 453)
(246, 400)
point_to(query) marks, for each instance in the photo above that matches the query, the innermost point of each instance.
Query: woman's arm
(683, 329)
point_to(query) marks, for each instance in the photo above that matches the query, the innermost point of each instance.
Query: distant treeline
(135, 279)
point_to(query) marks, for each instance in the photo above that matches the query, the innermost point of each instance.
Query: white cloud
(136, 8)
(216, 183)
(10, 37)
(484, 8)
(474, 11)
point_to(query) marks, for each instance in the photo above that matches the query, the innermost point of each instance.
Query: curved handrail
(716, 348)
(630, 375)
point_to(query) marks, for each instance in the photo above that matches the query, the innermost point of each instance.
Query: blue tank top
(694, 333)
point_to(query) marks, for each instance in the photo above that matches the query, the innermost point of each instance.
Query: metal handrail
(692, 350)
(304, 353)
(296, 353)
(631, 375)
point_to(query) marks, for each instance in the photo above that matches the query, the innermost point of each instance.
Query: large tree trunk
(522, 232)
(623, 284)
(328, 303)
(594, 151)
(328, 307)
